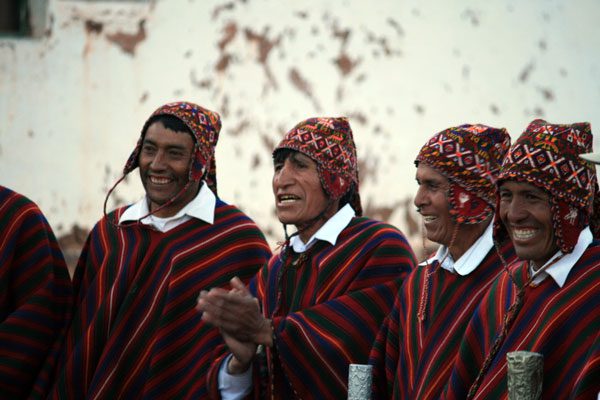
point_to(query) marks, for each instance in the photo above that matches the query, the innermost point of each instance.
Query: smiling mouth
(523, 234)
(429, 218)
(157, 180)
(287, 198)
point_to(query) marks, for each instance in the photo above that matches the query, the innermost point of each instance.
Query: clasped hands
(237, 315)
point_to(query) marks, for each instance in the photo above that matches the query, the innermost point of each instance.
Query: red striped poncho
(326, 310)
(412, 359)
(563, 324)
(135, 332)
(35, 296)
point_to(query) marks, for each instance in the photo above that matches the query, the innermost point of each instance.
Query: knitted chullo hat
(469, 156)
(547, 156)
(329, 142)
(205, 126)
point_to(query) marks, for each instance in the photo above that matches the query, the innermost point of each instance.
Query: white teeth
(159, 181)
(287, 198)
(429, 218)
(523, 234)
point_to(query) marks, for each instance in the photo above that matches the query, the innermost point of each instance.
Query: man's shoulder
(15, 199)
(231, 215)
(374, 226)
(223, 209)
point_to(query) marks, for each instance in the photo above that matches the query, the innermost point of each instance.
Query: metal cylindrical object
(525, 375)
(359, 382)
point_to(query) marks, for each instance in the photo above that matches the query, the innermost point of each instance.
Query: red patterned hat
(547, 156)
(205, 126)
(469, 156)
(329, 142)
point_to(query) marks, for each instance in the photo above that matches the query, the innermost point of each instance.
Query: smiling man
(548, 301)
(456, 174)
(136, 333)
(318, 304)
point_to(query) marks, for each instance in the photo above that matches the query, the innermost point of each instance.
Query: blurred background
(79, 78)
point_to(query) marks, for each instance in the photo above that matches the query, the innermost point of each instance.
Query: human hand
(243, 354)
(235, 312)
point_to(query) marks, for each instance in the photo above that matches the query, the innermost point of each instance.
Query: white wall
(73, 102)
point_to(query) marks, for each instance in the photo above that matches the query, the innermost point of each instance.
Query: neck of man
(307, 230)
(468, 234)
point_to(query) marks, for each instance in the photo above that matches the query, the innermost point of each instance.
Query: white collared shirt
(201, 207)
(469, 261)
(238, 386)
(329, 232)
(560, 270)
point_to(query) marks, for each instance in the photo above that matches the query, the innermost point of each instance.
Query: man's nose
(158, 161)
(419, 200)
(515, 209)
(285, 174)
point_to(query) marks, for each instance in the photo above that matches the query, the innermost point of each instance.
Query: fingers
(237, 284)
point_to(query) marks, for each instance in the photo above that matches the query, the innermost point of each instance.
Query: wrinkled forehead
(426, 172)
(280, 155)
(521, 186)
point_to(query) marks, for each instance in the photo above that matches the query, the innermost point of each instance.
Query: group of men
(178, 296)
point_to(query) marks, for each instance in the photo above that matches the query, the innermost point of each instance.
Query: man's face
(164, 168)
(526, 213)
(299, 196)
(431, 201)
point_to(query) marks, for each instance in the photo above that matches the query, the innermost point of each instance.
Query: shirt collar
(201, 207)
(329, 232)
(471, 259)
(559, 271)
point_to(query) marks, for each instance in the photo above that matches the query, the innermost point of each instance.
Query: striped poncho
(563, 324)
(412, 359)
(136, 333)
(326, 305)
(35, 296)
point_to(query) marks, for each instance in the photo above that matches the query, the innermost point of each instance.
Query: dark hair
(169, 122)
(281, 155)
(348, 197)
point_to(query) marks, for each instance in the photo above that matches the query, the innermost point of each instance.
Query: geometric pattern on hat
(469, 156)
(205, 126)
(547, 156)
(329, 142)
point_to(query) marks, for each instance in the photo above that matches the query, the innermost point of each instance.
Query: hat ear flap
(567, 222)
(336, 185)
(198, 167)
(133, 161)
(467, 208)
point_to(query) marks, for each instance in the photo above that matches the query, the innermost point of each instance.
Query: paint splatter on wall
(75, 99)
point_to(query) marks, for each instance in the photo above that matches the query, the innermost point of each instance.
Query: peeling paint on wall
(128, 42)
(399, 71)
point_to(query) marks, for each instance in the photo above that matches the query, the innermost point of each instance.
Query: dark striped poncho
(563, 324)
(35, 296)
(135, 332)
(412, 359)
(327, 309)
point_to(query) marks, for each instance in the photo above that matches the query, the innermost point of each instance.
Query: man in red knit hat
(318, 304)
(135, 333)
(547, 302)
(456, 172)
